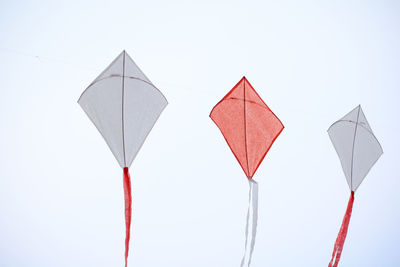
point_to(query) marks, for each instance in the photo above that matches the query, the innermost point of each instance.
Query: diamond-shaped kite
(250, 128)
(124, 105)
(358, 150)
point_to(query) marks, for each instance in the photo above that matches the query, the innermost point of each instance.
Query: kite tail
(252, 214)
(337, 251)
(128, 211)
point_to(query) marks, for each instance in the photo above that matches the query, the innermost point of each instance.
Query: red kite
(250, 128)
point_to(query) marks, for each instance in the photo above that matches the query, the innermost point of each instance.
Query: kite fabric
(124, 105)
(358, 150)
(250, 128)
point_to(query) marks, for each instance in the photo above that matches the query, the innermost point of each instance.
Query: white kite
(358, 150)
(124, 105)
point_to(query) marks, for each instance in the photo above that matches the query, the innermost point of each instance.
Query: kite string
(128, 211)
(43, 59)
(337, 251)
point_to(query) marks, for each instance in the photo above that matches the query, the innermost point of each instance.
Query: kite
(124, 105)
(250, 128)
(358, 150)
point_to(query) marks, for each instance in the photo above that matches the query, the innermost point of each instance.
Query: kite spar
(358, 150)
(124, 105)
(250, 128)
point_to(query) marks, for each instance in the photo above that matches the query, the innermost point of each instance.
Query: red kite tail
(128, 211)
(337, 251)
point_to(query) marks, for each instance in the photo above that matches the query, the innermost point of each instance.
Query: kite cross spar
(358, 150)
(124, 105)
(250, 128)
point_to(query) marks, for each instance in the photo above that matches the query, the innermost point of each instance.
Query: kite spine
(352, 151)
(245, 127)
(123, 104)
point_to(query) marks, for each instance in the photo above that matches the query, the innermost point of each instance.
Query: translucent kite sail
(250, 128)
(124, 105)
(358, 150)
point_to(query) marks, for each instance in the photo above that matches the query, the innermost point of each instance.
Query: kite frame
(123, 76)
(352, 152)
(252, 102)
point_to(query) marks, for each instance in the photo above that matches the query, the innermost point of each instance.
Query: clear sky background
(61, 194)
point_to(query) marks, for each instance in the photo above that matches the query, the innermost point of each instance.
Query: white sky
(61, 195)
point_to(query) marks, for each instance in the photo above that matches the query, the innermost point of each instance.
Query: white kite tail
(252, 215)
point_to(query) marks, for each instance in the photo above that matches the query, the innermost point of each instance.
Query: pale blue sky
(61, 196)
